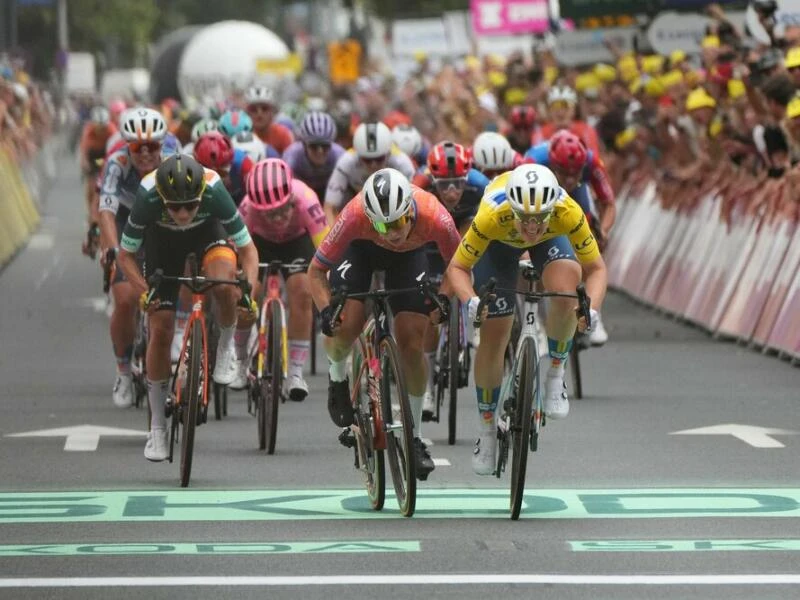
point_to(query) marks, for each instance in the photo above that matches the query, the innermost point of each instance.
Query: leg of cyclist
(182, 311)
(123, 331)
(299, 328)
(161, 328)
(502, 263)
(219, 262)
(436, 269)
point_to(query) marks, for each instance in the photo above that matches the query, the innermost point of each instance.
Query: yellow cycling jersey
(495, 222)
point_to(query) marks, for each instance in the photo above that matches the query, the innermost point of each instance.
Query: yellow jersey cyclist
(524, 210)
(184, 208)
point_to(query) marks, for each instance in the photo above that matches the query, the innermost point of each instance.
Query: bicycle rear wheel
(371, 460)
(190, 405)
(271, 385)
(399, 425)
(453, 352)
(521, 422)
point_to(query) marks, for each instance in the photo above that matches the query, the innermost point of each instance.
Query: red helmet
(567, 152)
(213, 150)
(269, 185)
(447, 159)
(523, 117)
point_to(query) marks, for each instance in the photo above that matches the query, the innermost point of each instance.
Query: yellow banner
(291, 65)
(344, 60)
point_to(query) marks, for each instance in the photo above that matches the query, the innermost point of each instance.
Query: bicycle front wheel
(521, 422)
(399, 425)
(370, 459)
(453, 342)
(190, 404)
(270, 396)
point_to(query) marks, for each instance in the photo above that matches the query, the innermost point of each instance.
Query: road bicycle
(452, 365)
(187, 403)
(382, 414)
(522, 416)
(270, 362)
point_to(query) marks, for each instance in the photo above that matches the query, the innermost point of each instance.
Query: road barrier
(739, 279)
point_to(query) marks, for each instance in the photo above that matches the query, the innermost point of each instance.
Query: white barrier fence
(739, 281)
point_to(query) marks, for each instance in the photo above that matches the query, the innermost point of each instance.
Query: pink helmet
(269, 185)
(116, 108)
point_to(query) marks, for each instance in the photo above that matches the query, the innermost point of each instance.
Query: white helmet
(259, 94)
(100, 115)
(386, 196)
(254, 147)
(408, 139)
(143, 124)
(532, 189)
(372, 140)
(492, 152)
(563, 93)
(203, 126)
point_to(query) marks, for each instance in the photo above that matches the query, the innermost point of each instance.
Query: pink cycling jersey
(307, 217)
(432, 223)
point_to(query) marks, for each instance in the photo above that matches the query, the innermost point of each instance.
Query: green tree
(404, 9)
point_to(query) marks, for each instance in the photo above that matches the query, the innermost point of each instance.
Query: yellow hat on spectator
(605, 73)
(654, 88)
(792, 59)
(628, 69)
(587, 81)
(635, 86)
(420, 55)
(677, 56)
(550, 74)
(736, 88)
(671, 78)
(23, 78)
(699, 98)
(652, 64)
(497, 79)
(793, 108)
(710, 41)
(624, 137)
(472, 63)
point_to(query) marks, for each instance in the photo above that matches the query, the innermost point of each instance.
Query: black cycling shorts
(299, 251)
(403, 270)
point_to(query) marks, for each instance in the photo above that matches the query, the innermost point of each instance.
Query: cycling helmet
(532, 189)
(250, 144)
(214, 151)
(234, 121)
(315, 103)
(259, 94)
(408, 139)
(143, 125)
(269, 185)
(318, 127)
(567, 152)
(386, 195)
(522, 117)
(100, 115)
(180, 178)
(492, 152)
(116, 108)
(563, 93)
(203, 126)
(372, 140)
(448, 160)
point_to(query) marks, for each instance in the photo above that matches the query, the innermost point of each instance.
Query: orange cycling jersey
(277, 136)
(94, 138)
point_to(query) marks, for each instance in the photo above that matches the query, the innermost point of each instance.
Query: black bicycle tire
(374, 478)
(521, 424)
(453, 339)
(313, 340)
(575, 367)
(191, 404)
(217, 392)
(405, 480)
(274, 343)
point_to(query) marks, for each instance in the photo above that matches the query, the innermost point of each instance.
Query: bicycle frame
(198, 312)
(272, 293)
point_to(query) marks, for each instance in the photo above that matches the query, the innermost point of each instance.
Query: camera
(765, 8)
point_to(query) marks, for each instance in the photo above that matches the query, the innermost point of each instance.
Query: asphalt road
(616, 505)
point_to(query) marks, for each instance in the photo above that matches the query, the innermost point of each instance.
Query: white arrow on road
(81, 438)
(758, 437)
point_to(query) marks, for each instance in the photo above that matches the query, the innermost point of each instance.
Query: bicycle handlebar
(486, 293)
(200, 284)
(275, 265)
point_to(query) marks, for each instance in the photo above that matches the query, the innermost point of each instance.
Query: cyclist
(409, 140)
(450, 177)
(524, 209)
(372, 150)
(522, 121)
(116, 108)
(203, 126)
(182, 208)
(251, 145)
(313, 158)
(216, 152)
(492, 154)
(234, 121)
(562, 105)
(386, 227)
(143, 130)
(94, 137)
(578, 170)
(260, 102)
(287, 223)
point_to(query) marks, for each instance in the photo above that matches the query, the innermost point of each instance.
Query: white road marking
(41, 241)
(96, 303)
(81, 438)
(48, 271)
(758, 437)
(454, 579)
(441, 462)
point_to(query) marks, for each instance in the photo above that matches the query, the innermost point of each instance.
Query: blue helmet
(235, 121)
(318, 127)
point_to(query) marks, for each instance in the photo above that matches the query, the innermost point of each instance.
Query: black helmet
(180, 178)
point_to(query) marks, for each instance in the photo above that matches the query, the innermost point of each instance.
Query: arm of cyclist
(606, 200)
(595, 274)
(108, 205)
(338, 184)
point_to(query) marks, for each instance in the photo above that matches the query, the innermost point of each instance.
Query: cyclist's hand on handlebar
(148, 302)
(248, 306)
(582, 328)
(473, 305)
(439, 315)
(326, 326)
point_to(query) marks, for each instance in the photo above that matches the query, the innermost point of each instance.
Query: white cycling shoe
(225, 369)
(240, 381)
(484, 455)
(556, 402)
(298, 388)
(156, 448)
(598, 336)
(428, 406)
(123, 391)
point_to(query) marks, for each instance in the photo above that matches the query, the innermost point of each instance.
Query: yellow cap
(699, 98)
(635, 86)
(652, 64)
(715, 128)
(550, 74)
(624, 137)
(793, 108)
(736, 88)
(792, 59)
(710, 41)
(497, 79)
(671, 78)
(587, 81)
(473, 63)
(515, 96)
(677, 56)
(654, 88)
(420, 55)
(605, 73)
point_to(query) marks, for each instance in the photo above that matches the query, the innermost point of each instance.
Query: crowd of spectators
(26, 113)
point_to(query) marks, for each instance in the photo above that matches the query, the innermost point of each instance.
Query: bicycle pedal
(348, 440)
(168, 406)
(427, 416)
